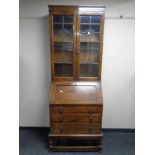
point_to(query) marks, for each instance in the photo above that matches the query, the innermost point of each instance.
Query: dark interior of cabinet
(70, 142)
(63, 70)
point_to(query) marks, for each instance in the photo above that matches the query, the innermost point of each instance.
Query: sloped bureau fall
(76, 104)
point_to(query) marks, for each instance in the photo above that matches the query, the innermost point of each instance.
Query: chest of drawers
(75, 113)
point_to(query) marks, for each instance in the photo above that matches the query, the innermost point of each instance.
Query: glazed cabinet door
(63, 45)
(89, 46)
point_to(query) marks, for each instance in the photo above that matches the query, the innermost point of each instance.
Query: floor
(33, 141)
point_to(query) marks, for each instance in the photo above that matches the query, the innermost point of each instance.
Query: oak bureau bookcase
(76, 105)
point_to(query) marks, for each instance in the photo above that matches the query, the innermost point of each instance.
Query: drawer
(76, 117)
(76, 109)
(76, 128)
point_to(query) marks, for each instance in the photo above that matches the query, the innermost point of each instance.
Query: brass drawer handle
(60, 109)
(90, 111)
(61, 128)
(90, 128)
(90, 118)
(60, 118)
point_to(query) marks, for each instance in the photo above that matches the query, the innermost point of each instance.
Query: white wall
(118, 62)
(118, 74)
(34, 68)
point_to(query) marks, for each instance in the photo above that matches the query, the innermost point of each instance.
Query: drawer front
(76, 109)
(76, 117)
(76, 128)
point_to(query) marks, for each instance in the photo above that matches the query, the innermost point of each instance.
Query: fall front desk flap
(76, 92)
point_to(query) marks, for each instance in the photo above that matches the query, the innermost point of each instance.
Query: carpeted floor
(33, 141)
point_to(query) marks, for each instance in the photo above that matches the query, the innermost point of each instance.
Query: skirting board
(103, 129)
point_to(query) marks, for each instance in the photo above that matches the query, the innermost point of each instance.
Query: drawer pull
(90, 128)
(90, 118)
(60, 109)
(90, 111)
(61, 128)
(60, 118)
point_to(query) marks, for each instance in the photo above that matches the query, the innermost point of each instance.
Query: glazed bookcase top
(76, 39)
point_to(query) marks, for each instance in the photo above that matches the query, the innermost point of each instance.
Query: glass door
(63, 45)
(89, 37)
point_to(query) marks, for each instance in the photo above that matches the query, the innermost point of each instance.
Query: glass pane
(89, 45)
(89, 56)
(85, 19)
(68, 45)
(95, 28)
(57, 45)
(63, 70)
(58, 70)
(68, 55)
(65, 56)
(68, 28)
(94, 55)
(57, 28)
(88, 70)
(68, 70)
(84, 56)
(63, 45)
(58, 57)
(68, 19)
(87, 38)
(95, 19)
(63, 52)
(84, 29)
(94, 45)
(57, 19)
